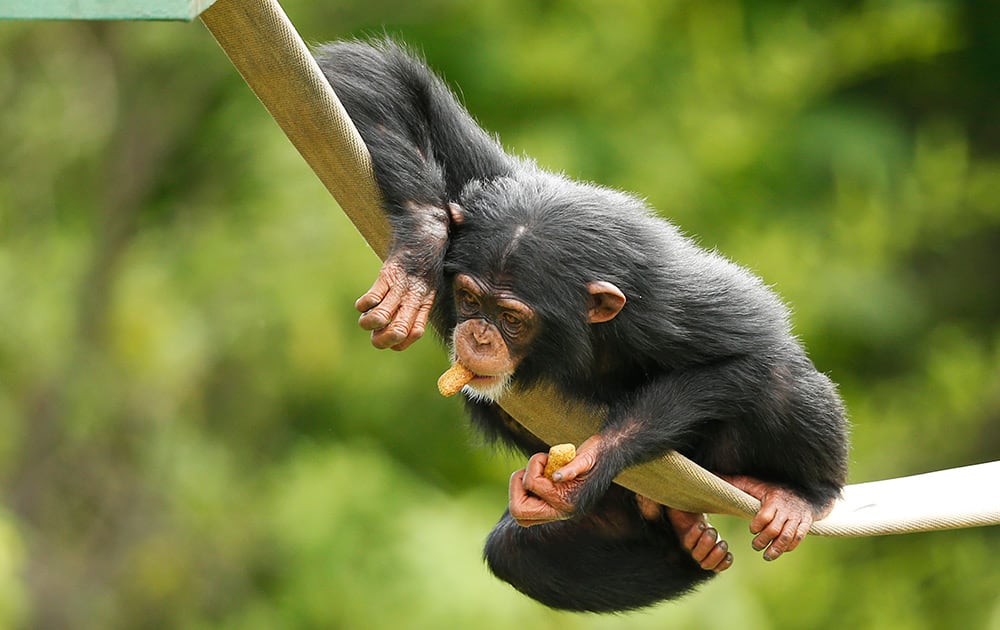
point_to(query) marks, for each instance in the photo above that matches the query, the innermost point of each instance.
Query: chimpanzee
(535, 277)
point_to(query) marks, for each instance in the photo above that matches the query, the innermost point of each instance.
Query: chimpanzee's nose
(482, 334)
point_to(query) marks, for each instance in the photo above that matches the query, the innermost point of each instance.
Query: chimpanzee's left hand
(396, 308)
(535, 499)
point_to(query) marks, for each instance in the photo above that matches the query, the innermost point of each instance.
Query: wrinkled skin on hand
(396, 308)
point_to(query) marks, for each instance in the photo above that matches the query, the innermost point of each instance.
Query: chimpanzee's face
(496, 328)
(494, 332)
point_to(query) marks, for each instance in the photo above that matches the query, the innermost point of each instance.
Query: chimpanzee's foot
(696, 535)
(784, 517)
(701, 539)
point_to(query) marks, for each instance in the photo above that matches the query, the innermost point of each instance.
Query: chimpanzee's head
(524, 287)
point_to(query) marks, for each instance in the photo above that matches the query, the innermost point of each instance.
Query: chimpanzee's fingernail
(557, 476)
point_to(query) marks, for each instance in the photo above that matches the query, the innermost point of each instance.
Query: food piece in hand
(559, 456)
(452, 381)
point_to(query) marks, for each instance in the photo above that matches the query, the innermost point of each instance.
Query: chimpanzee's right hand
(396, 308)
(536, 499)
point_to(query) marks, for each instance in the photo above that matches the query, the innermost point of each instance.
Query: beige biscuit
(452, 381)
(559, 456)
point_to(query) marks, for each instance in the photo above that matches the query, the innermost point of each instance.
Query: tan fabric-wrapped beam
(268, 52)
(272, 58)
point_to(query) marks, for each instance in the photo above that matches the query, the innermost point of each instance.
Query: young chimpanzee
(536, 277)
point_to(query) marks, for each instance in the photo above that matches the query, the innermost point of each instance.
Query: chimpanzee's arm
(673, 412)
(678, 411)
(670, 412)
(425, 148)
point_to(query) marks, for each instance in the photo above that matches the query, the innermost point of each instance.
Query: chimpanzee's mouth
(487, 388)
(486, 379)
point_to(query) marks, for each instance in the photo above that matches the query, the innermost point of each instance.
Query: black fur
(606, 561)
(701, 359)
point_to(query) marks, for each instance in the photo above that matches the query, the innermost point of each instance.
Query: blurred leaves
(196, 434)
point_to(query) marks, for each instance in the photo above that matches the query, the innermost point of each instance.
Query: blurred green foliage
(195, 434)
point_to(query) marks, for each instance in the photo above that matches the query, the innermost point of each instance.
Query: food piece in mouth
(452, 381)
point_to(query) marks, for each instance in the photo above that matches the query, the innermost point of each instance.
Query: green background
(195, 434)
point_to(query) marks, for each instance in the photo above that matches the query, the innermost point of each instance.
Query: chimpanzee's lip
(485, 379)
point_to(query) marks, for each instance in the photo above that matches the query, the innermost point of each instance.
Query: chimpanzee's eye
(512, 324)
(468, 303)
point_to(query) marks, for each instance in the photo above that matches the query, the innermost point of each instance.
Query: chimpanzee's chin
(487, 388)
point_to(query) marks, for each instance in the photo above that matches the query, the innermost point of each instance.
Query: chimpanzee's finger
(381, 316)
(800, 533)
(767, 536)
(534, 473)
(515, 488)
(380, 303)
(724, 562)
(704, 544)
(418, 321)
(555, 495)
(717, 558)
(527, 509)
(693, 534)
(398, 330)
(791, 535)
(375, 294)
(391, 335)
(583, 463)
(764, 516)
(776, 548)
(521, 505)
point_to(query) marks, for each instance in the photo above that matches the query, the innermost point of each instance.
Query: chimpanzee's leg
(611, 559)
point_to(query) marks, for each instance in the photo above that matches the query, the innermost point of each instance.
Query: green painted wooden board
(102, 9)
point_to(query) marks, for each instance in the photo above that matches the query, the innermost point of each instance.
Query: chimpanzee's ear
(606, 301)
(456, 212)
